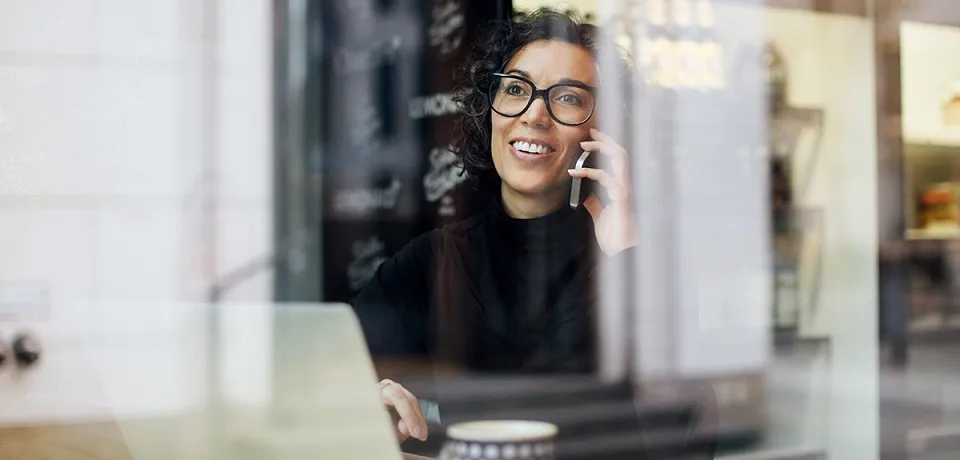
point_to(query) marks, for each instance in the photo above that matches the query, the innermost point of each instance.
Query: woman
(511, 288)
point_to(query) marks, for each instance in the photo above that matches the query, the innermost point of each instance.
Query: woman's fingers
(420, 427)
(594, 206)
(605, 144)
(614, 189)
(405, 404)
(402, 431)
(407, 408)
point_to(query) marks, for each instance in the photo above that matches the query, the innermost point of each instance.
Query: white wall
(839, 80)
(831, 66)
(105, 128)
(928, 77)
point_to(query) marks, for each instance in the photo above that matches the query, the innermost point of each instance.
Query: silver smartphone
(577, 186)
(581, 189)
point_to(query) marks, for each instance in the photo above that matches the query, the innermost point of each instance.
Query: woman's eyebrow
(570, 80)
(526, 75)
(522, 73)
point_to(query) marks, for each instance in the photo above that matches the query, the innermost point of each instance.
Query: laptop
(294, 381)
(326, 396)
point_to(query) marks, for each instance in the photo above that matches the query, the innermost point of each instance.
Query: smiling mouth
(531, 148)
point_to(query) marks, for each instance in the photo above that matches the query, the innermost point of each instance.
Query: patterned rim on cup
(468, 450)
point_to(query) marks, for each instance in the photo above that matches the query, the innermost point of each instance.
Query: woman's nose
(537, 114)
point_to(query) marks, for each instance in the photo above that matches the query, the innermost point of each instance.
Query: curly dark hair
(503, 39)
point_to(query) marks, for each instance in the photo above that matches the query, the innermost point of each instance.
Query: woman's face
(544, 62)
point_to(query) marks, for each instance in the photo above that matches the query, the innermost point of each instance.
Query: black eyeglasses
(569, 104)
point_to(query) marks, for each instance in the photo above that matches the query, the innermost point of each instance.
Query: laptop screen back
(245, 381)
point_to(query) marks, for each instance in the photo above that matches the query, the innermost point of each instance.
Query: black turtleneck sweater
(492, 292)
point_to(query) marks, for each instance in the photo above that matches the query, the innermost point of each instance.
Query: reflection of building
(792, 163)
(930, 111)
(673, 44)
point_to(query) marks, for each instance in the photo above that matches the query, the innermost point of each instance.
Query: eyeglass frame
(541, 93)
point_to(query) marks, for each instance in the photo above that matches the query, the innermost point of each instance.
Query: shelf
(945, 334)
(950, 139)
(933, 234)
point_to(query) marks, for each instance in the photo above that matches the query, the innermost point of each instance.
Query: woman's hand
(615, 224)
(404, 411)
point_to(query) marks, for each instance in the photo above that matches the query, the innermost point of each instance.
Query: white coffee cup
(500, 440)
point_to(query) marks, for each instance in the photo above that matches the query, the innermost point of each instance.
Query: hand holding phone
(607, 195)
(582, 187)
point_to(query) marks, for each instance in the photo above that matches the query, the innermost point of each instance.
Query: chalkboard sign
(381, 158)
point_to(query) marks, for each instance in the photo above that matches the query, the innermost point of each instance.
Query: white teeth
(529, 148)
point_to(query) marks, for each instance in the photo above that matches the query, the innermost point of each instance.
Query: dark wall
(378, 120)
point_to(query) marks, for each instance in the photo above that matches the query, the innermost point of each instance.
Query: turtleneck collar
(563, 228)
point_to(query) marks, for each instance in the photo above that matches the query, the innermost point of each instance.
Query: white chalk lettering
(366, 200)
(444, 174)
(434, 105)
(367, 257)
(448, 27)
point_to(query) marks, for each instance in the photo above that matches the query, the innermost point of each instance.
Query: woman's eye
(569, 99)
(514, 90)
